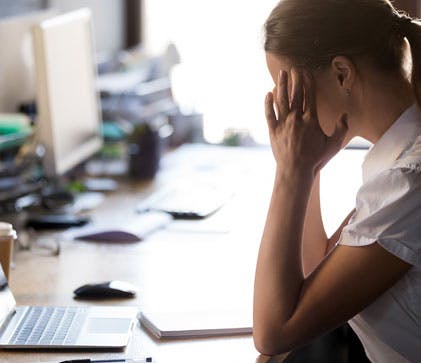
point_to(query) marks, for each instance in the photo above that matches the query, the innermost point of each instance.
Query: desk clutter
(193, 276)
(204, 180)
(114, 123)
(198, 164)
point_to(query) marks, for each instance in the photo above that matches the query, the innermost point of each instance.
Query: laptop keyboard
(49, 326)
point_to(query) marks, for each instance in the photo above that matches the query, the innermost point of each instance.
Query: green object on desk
(14, 130)
(76, 186)
(14, 124)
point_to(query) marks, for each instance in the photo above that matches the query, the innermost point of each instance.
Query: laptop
(62, 327)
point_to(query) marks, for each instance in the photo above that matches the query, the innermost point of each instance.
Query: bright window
(222, 72)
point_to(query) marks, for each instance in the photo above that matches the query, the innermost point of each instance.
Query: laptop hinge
(6, 321)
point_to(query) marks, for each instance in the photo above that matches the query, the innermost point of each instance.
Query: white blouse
(388, 211)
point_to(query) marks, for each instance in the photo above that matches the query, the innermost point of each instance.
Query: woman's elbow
(269, 342)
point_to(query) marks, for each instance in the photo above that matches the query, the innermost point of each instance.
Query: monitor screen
(108, 17)
(16, 61)
(69, 123)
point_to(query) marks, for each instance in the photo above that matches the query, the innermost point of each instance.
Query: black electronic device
(56, 221)
(108, 289)
(193, 201)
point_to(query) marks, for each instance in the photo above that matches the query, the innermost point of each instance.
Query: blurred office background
(221, 73)
(109, 17)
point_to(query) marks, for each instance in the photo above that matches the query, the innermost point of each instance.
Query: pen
(145, 360)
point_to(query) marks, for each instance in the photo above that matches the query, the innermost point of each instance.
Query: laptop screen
(7, 301)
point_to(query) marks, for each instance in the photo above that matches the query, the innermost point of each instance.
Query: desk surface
(184, 267)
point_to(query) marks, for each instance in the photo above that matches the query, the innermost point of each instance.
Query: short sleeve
(388, 211)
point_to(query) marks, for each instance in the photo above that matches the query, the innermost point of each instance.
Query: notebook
(62, 327)
(197, 324)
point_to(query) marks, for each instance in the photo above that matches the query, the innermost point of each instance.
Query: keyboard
(49, 326)
(187, 202)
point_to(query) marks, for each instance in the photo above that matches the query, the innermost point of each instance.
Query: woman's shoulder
(410, 160)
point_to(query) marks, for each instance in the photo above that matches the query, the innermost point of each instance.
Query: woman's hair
(312, 32)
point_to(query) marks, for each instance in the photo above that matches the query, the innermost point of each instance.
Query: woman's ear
(344, 71)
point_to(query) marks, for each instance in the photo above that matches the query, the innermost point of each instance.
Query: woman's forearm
(315, 240)
(279, 272)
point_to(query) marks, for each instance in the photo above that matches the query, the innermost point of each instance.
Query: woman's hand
(298, 142)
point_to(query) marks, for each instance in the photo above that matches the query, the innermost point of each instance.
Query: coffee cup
(7, 237)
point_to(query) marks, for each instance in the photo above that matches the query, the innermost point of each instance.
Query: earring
(348, 92)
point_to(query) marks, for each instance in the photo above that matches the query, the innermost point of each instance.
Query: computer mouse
(132, 229)
(108, 289)
(112, 235)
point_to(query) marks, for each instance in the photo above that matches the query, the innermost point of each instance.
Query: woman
(341, 70)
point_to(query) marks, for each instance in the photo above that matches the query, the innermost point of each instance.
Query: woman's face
(328, 102)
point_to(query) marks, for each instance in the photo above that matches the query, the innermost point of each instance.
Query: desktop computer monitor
(69, 122)
(17, 77)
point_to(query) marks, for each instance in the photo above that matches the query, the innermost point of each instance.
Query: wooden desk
(175, 269)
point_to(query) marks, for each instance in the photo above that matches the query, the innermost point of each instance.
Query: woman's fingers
(275, 101)
(270, 112)
(297, 91)
(292, 120)
(282, 98)
(302, 88)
